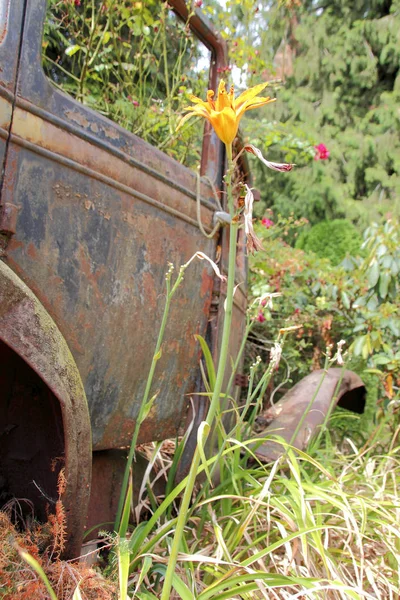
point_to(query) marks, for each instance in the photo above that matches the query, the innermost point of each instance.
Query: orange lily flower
(225, 112)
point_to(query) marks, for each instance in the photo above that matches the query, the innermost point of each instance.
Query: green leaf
(373, 274)
(202, 434)
(366, 349)
(123, 568)
(179, 585)
(147, 407)
(209, 360)
(123, 528)
(345, 300)
(381, 359)
(147, 563)
(384, 281)
(71, 50)
(358, 345)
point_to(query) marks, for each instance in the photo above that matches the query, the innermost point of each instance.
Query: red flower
(134, 102)
(322, 152)
(198, 3)
(260, 317)
(267, 223)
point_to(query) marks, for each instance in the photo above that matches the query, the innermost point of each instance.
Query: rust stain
(43, 133)
(92, 277)
(150, 289)
(32, 251)
(89, 205)
(207, 282)
(5, 113)
(76, 117)
(122, 427)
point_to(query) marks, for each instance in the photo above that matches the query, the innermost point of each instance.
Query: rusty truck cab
(89, 216)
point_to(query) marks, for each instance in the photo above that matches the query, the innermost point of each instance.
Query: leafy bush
(357, 301)
(331, 239)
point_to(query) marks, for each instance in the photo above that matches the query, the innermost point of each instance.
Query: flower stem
(223, 356)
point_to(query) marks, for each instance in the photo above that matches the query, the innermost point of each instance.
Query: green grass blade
(209, 360)
(32, 562)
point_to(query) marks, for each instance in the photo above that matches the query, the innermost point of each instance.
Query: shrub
(331, 239)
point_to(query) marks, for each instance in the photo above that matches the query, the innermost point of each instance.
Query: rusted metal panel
(286, 414)
(11, 14)
(91, 215)
(96, 255)
(27, 330)
(100, 214)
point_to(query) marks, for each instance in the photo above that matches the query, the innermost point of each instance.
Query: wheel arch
(28, 330)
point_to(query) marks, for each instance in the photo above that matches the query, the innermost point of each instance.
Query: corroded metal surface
(101, 213)
(10, 35)
(286, 414)
(28, 330)
(91, 215)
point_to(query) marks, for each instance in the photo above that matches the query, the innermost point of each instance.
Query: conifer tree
(341, 91)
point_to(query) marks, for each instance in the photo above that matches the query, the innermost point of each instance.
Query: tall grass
(307, 526)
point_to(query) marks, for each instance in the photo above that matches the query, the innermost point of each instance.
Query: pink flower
(322, 152)
(198, 3)
(267, 223)
(260, 317)
(134, 102)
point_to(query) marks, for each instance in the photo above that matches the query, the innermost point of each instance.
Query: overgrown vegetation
(338, 63)
(133, 62)
(321, 524)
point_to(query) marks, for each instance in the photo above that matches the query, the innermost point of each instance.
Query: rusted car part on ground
(89, 216)
(320, 390)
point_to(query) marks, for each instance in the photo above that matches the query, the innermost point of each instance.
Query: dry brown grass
(18, 581)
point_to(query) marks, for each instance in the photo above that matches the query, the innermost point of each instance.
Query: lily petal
(249, 104)
(225, 124)
(249, 94)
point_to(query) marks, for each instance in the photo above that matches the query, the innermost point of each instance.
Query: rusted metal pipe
(284, 416)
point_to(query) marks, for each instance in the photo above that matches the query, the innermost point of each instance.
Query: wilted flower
(322, 152)
(271, 165)
(225, 112)
(253, 243)
(266, 299)
(275, 354)
(267, 223)
(339, 356)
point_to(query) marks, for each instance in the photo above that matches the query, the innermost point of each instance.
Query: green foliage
(345, 91)
(331, 239)
(357, 300)
(339, 66)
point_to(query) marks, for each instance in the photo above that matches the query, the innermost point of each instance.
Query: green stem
(95, 22)
(183, 512)
(139, 420)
